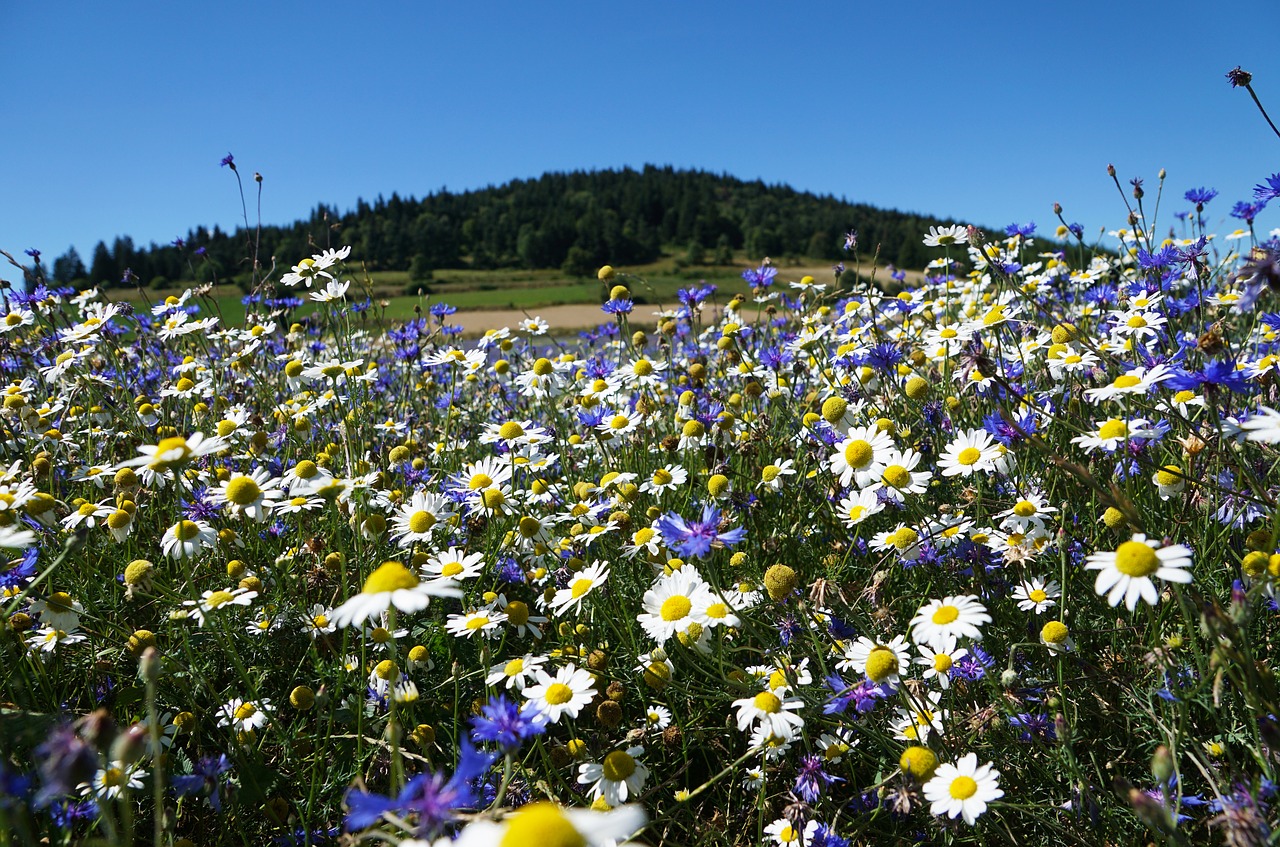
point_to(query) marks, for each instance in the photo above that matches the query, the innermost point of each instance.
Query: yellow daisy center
(389, 576)
(941, 662)
(219, 598)
(510, 430)
(770, 472)
(858, 453)
(513, 667)
(421, 521)
(243, 490)
(882, 663)
(1133, 558)
(558, 694)
(478, 622)
(1126, 381)
(1113, 429)
(767, 702)
(580, 586)
(662, 477)
(1054, 632)
(675, 608)
(480, 480)
(541, 823)
(1024, 508)
(969, 456)
(1038, 595)
(719, 611)
(945, 615)
(896, 476)
(517, 613)
(963, 787)
(245, 711)
(618, 765)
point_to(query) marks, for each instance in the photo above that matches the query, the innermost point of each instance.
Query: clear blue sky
(116, 114)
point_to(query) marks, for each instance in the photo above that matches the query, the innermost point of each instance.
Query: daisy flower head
(546, 823)
(899, 476)
(773, 476)
(946, 236)
(516, 673)
(1111, 434)
(417, 520)
(856, 508)
(391, 585)
(174, 451)
(673, 603)
(950, 617)
(211, 601)
(970, 452)
(619, 776)
(861, 456)
(566, 693)
(937, 663)
(185, 539)
(580, 585)
(484, 621)
(454, 564)
(771, 713)
(784, 834)
(1264, 426)
(245, 715)
(1037, 595)
(963, 789)
(668, 478)
(879, 662)
(253, 495)
(112, 781)
(1126, 573)
(1057, 637)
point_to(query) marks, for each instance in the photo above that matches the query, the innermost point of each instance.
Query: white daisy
(391, 585)
(566, 693)
(1126, 573)
(963, 789)
(621, 775)
(950, 617)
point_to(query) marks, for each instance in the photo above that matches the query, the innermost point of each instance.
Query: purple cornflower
(812, 779)
(1159, 259)
(506, 724)
(429, 797)
(440, 311)
(204, 780)
(65, 761)
(1246, 211)
(695, 539)
(228, 161)
(851, 240)
(1239, 77)
(617, 307)
(33, 253)
(861, 697)
(1200, 196)
(761, 277)
(1270, 191)
(1025, 230)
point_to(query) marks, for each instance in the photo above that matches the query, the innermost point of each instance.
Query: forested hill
(574, 221)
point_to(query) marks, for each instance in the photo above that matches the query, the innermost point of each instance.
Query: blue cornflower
(1159, 259)
(1200, 196)
(14, 787)
(67, 814)
(618, 307)
(200, 251)
(198, 508)
(761, 277)
(1268, 192)
(179, 243)
(429, 796)
(23, 572)
(1033, 725)
(825, 836)
(1025, 230)
(1246, 211)
(693, 540)
(441, 310)
(1216, 373)
(883, 357)
(506, 724)
(1006, 432)
(812, 779)
(1077, 230)
(228, 161)
(204, 780)
(33, 253)
(64, 761)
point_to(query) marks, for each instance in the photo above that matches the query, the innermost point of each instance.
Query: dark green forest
(571, 221)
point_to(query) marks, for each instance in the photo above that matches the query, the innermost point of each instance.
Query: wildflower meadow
(986, 559)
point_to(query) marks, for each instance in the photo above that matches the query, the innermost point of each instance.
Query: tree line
(573, 221)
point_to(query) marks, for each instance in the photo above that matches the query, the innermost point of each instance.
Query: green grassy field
(478, 290)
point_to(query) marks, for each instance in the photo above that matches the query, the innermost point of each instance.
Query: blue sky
(117, 114)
